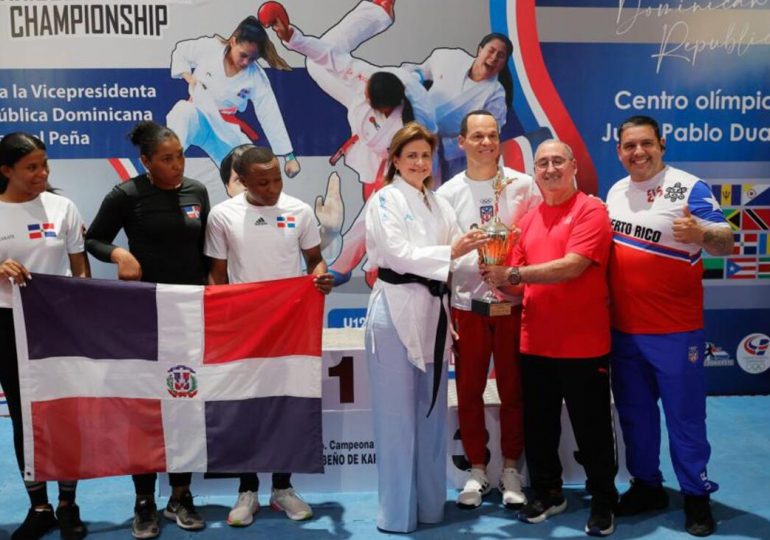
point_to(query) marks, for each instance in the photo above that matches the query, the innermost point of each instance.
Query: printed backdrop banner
(126, 378)
(81, 74)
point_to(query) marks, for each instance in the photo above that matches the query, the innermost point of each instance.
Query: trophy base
(491, 308)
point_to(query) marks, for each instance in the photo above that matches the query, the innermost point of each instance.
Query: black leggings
(9, 379)
(144, 484)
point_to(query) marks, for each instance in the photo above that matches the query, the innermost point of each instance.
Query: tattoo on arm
(718, 241)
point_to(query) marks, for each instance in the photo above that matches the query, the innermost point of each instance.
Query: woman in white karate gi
(379, 102)
(412, 237)
(223, 75)
(462, 83)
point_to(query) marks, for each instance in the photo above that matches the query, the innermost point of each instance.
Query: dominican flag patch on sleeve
(285, 222)
(192, 211)
(176, 378)
(41, 230)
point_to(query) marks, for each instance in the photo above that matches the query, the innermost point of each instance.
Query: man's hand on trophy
(473, 239)
(494, 275)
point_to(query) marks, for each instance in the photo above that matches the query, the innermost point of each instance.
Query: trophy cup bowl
(494, 252)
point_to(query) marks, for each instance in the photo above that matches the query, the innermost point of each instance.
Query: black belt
(438, 289)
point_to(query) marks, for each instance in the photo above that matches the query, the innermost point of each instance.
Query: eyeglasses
(557, 162)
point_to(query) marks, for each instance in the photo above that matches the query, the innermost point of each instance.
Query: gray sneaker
(145, 524)
(184, 513)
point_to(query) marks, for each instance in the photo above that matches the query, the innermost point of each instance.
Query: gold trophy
(494, 252)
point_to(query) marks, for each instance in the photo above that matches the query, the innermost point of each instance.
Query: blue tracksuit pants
(646, 368)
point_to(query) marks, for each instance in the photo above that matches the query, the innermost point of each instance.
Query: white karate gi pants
(411, 449)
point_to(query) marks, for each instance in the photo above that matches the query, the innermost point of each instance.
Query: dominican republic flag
(126, 377)
(283, 222)
(193, 211)
(40, 230)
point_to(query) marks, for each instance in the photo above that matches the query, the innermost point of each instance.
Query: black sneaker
(36, 524)
(601, 522)
(70, 526)
(698, 519)
(145, 523)
(184, 513)
(642, 498)
(543, 506)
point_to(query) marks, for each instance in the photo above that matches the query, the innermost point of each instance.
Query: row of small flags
(747, 209)
(736, 268)
(751, 243)
(742, 194)
(748, 219)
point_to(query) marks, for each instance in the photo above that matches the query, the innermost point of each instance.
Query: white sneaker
(475, 488)
(510, 487)
(243, 512)
(288, 501)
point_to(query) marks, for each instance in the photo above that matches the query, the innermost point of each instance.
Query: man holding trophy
(562, 258)
(487, 320)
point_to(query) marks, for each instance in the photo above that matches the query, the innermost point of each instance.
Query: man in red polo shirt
(561, 260)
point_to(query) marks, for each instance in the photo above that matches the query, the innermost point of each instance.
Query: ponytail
(271, 56)
(506, 80)
(407, 113)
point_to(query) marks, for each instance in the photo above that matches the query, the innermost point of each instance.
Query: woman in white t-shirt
(39, 232)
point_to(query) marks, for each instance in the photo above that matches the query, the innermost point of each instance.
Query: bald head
(564, 148)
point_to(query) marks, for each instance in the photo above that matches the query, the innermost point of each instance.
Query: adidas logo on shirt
(260, 221)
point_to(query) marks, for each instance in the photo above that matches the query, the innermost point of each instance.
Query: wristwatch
(514, 277)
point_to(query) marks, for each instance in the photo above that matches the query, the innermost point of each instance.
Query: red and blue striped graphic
(536, 102)
(126, 168)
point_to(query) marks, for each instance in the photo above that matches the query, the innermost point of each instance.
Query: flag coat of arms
(127, 378)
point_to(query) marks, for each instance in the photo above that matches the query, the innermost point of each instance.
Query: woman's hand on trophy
(471, 240)
(494, 275)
